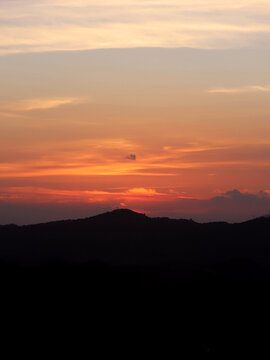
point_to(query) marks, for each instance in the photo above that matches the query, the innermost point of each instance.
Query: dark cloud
(232, 206)
(236, 196)
(131, 157)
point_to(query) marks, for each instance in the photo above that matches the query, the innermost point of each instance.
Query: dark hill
(124, 237)
(124, 283)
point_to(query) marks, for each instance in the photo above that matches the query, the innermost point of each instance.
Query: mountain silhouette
(146, 285)
(126, 238)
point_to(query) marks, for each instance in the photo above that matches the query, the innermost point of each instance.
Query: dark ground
(122, 284)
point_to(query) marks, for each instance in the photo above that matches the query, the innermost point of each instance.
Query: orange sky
(165, 129)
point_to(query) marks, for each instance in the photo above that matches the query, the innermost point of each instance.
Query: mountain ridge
(117, 213)
(131, 214)
(124, 237)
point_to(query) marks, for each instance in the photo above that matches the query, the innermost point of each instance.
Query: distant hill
(126, 238)
(141, 285)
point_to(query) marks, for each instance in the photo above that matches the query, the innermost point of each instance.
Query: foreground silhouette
(143, 285)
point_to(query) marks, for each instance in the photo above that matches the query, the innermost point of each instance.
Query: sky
(157, 106)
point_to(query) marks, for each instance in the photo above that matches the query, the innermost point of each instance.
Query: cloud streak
(106, 157)
(240, 90)
(37, 104)
(43, 25)
(45, 103)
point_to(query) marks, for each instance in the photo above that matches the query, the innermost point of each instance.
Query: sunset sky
(159, 106)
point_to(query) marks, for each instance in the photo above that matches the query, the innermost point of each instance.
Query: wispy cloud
(44, 25)
(239, 90)
(32, 193)
(45, 103)
(37, 104)
(107, 157)
(144, 192)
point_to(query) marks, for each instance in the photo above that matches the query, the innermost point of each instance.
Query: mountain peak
(122, 216)
(125, 213)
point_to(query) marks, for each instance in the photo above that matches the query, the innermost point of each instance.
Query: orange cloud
(240, 90)
(231, 205)
(39, 104)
